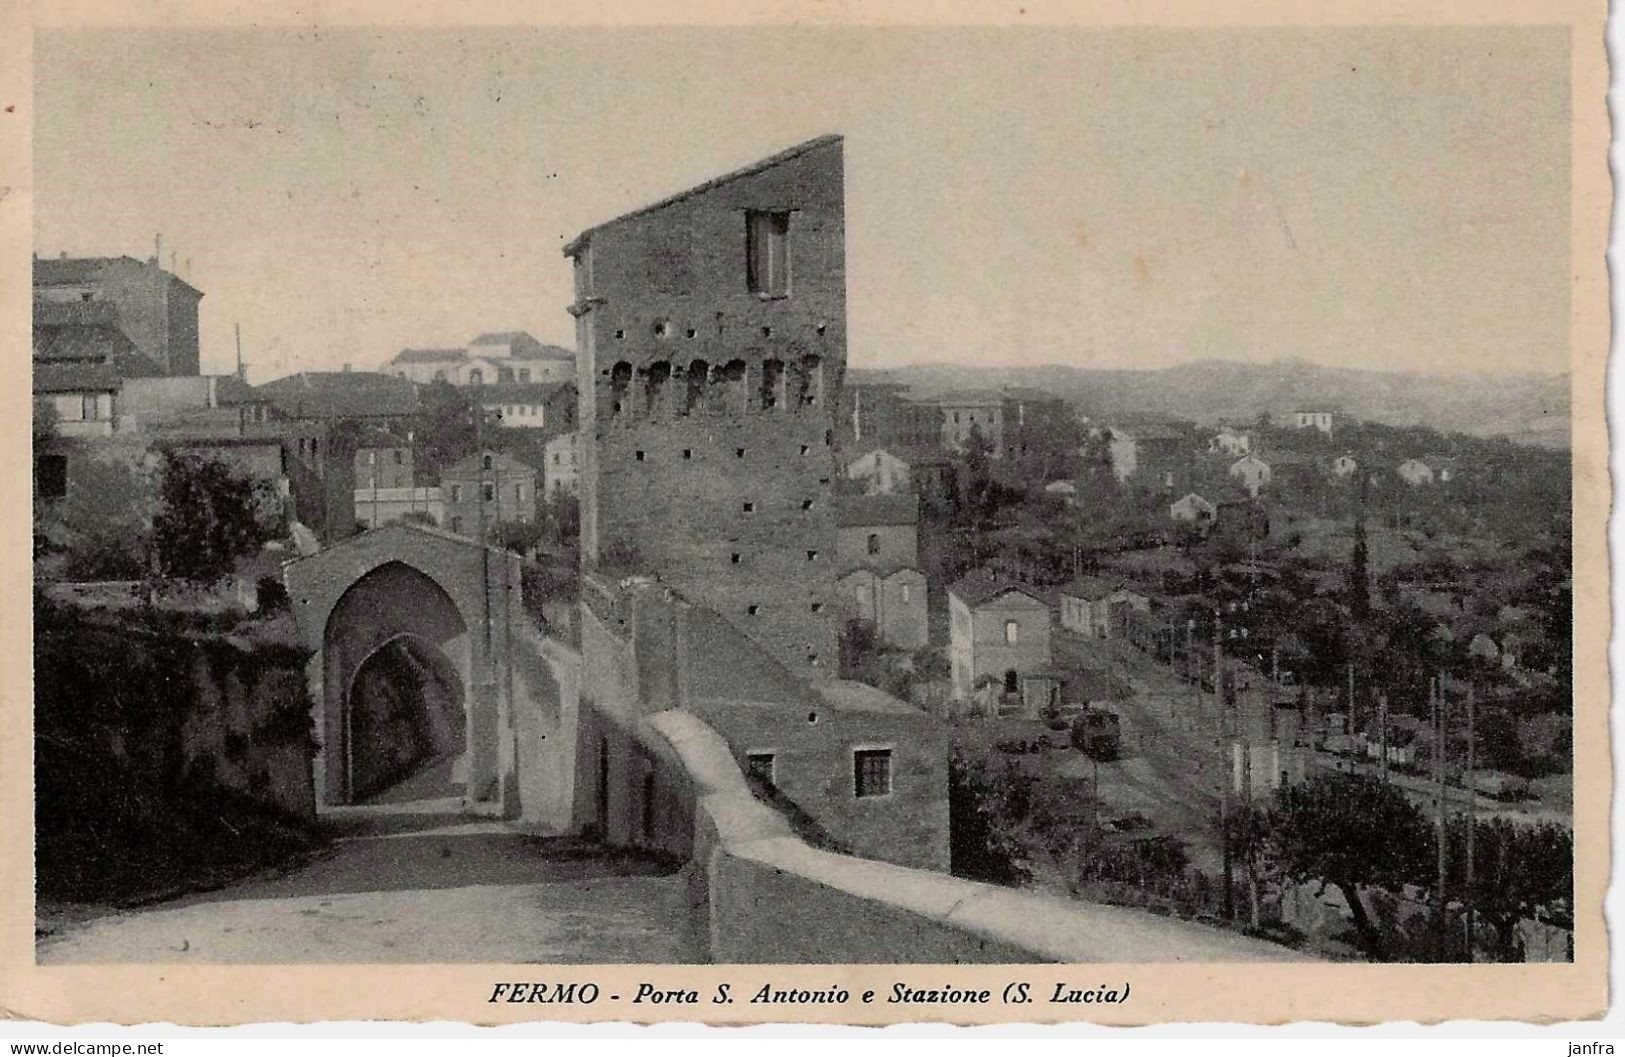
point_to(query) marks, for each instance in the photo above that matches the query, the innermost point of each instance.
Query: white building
(1192, 508)
(1415, 472)
(1321, 420)
(561, 470)
(511, 357)
(1344, 465)
(1252, 472)
(1229, 441)
(880, 472)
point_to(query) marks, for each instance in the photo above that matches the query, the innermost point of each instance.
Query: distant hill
(1528, 408)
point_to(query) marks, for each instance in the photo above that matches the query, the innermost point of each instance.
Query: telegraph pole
(1220, 714)
(1439, 728)
(1472, 816)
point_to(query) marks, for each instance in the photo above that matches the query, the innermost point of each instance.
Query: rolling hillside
(1529, 408)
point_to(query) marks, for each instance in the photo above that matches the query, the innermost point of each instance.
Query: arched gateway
(413, 632)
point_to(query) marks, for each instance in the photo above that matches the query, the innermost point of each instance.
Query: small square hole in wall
(639, 454)
(812, 717)
(750, 508)
(818, 607)
(805, 448)
(733, 559)
(767, 332)
(806, 504)
(752, 609)
(662, 329)
(821, 328)
(688, 453)
(689, 333)
(739, 453)
(812, 556)
(812, 658)
(619, 334)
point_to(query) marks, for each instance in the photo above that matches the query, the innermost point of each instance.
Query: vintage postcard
(856, 514)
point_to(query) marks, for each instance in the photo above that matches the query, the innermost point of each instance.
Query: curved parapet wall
(768, 897)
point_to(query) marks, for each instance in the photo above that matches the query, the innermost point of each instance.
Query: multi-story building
(155, 309)
(546, 406)
(711, 330)
(561, 470)
(882, 413)
(961, 414)
(383, 460)
(486, 489)
(999, 630)
(1321, 420)
(505, 358)
(877, 550)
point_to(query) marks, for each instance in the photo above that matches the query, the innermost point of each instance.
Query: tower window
(806, 504)
(733, 559)
(739, 453)
(688, 453)
(750, 508)
(639, 455)
(752, 609)
(873, 543)
(767, 253)
(812, 556)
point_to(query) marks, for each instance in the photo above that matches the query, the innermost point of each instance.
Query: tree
(1518, 870)
(442, 429)
(1350, 831)
(209, 516)
(982, 845)
(107, 518)
(521, 537)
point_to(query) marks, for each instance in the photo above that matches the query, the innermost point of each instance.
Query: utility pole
(1225, 777)
(1439, 728)
(1382, 731)
(1472, 816)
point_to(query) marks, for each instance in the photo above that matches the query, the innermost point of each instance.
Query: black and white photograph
(812, 495)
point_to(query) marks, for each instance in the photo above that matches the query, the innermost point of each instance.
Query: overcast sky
(1110, 198)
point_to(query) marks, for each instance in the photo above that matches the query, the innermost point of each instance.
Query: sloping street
(405, 887)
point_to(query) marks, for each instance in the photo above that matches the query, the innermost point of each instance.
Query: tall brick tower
(711, 337)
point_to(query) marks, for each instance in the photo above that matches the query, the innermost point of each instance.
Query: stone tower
(711, 330)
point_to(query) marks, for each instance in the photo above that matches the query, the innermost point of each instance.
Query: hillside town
(1157, 654)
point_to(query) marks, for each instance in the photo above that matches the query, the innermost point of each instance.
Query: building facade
(154, 308)
(503, 358)
(711, 336)
(561, 468)
(998, 629)
(877, 530)
(545, 406)
(486, 489)
(879, 472)
(962, 414)
(893, 599)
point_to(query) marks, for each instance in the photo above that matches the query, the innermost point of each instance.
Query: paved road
(412, 889)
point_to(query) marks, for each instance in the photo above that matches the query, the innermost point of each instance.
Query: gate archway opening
(406, 725)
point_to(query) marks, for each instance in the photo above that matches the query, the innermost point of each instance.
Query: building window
(457, 525)
(767, 250)
(504, 374)
(871, 772)
(524, 374)
(485, 461)
(905, 592)
(456, 493)
(759, 766)
(1012, 681)
(519, 492)
(400, 457)
(873, 543)
(1012, 632)
(476, 377)
(488, 491)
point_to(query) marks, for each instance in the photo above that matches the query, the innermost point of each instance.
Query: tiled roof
(429, 356)
(341, 394)
(230, 389)
(783, 156)
(980, 586)
(884, 570)
(1090, 587)
(75, 378)
(93, 344)
(50, 271)
(854, 510)
(82, 313)
(541, 352)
